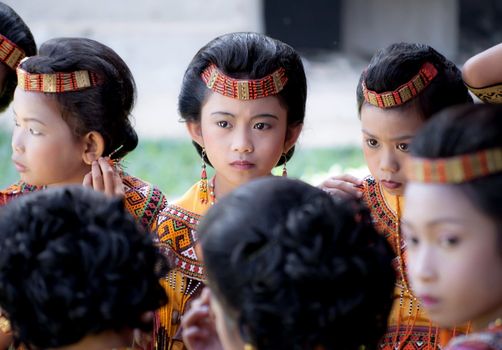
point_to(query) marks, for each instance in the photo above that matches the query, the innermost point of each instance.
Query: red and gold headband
(457, 169)
(403, 93)
(252, 89)
(10, 53)
(56, 82)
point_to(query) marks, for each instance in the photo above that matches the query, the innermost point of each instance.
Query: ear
(195, 131)
(292, 134)
(94, 146)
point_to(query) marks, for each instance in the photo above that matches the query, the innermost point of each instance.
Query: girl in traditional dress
(16, 42)
(452, 222)
(243, 101)
(71, 109)
(403, 86)
(290, 267)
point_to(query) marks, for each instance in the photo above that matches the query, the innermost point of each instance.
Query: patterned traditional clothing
(175, 230)
(141, 199)
(408, 326)
(490, 339)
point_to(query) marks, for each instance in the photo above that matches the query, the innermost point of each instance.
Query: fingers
(97, 177)
(346, 186)
(108, 174)
(104, 178)
(88, 180)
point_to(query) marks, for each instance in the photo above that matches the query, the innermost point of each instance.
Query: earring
(248, 347)
(284, 169)
(203, 195)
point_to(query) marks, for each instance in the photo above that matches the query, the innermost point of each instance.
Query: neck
(102, 341)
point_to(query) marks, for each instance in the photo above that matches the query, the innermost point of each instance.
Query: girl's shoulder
(143, 200)
(487, 340)
(15, 190)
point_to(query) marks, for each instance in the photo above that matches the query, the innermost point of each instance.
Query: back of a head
(75, 263)
(296, 269)
(465, 130)
(105, 108)
(245, 56)
(14, 29)
(398, 63)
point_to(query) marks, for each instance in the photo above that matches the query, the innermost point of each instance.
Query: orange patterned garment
(141, 199)
(176, 233)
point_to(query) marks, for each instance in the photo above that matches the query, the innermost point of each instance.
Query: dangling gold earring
(248, 347)
(284, 169)
(203, 195)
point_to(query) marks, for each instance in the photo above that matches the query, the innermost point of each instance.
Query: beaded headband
(456, 169)
(10, 53)
(56, 82)
(252, 89)
(403, 93)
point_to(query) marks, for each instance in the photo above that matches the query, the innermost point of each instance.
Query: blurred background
(336, 38)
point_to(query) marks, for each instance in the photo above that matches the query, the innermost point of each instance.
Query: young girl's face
(387, 134)
(44, 150)
(454, 256)
(243, 139)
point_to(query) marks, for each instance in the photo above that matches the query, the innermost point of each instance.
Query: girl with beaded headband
(16, 42)
(482, 74)
(452, 223)
(401, 88)
(71, 109)
(243, 100)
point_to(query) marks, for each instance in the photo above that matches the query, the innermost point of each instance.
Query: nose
(242, 141)
(422, 265)
(17, 141)
(389, 161)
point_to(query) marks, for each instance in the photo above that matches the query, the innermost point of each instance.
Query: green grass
(173, 165)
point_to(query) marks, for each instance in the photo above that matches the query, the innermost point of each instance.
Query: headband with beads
(251, 89)
(456, 169)
(405, 92)
(10, 53)
(56, 82)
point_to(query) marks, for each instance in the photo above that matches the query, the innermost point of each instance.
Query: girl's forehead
(27, 104)
(390, 122)
(218, 103)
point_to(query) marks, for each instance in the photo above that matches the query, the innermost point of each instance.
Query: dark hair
(396, 64)
(296, 268)
(75, 263)
(463, 130)
(245, 56)
(14, 29)
(105, 108)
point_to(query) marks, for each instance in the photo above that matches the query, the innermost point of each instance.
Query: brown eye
(223, 124)
(404, 147)
(372, 143)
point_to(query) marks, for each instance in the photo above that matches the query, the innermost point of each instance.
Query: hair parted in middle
(245, 56)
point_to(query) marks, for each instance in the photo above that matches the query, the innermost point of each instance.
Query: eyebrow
(397, 138)
(261, 115)
(436, 222)
(29, 119)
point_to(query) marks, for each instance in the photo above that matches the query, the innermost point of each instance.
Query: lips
(391, 185)
(19, 167)
(242, 164)
(428, 301)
